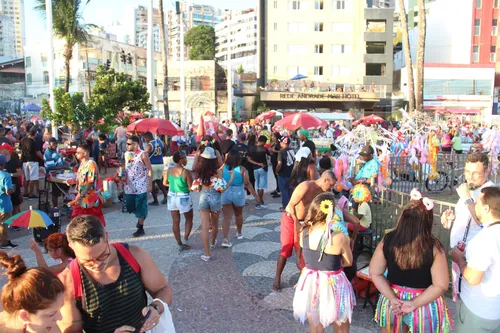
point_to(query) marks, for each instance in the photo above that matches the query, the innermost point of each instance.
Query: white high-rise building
(7, 38)
(239, 31)
(14, 9)
(141, 21)
(142, 39)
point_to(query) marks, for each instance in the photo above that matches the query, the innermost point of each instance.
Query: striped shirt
(105, 308)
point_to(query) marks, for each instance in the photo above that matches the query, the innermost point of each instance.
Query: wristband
(156, 307)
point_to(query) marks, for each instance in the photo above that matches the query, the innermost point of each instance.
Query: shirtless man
(295, 212)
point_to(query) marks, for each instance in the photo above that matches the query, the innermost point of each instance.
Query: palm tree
(67, 22)
(419, 87)
(164, 59)
(406, 50)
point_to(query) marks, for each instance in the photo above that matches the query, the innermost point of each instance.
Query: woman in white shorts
(179, 181)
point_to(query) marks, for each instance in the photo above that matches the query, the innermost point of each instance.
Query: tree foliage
(115, 92)
(70, 109)
(112, 94)
(67, 22)
(201, 42)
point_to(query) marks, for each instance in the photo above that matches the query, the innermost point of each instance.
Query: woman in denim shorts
(233, 199)
(211, 184)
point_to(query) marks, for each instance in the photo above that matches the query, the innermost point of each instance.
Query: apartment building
(141, 21)
(343, 50)
(238, 32)
(14, 9)
(7, 38)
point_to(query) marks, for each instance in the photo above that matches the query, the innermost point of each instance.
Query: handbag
(166, 324)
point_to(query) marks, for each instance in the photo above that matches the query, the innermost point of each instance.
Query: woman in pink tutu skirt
(323, 294)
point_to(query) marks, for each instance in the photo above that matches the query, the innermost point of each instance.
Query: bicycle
(444, 179)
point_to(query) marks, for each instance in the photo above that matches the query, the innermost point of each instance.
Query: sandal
(186, 243)
(212, 246)
(205, 258)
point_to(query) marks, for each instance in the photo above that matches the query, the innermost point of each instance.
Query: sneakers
(226, 244)
(140, 232)
(240, 236)
(214, 245)
(249, 197)
(33, 197)
(276, 195)
(205, 258)
(154, 203)
(261, 206)
(8, 246)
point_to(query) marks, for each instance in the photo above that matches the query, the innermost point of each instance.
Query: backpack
(122, 248)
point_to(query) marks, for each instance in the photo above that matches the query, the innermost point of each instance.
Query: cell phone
(143, 320)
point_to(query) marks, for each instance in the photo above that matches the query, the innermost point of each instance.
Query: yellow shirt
(366, 215)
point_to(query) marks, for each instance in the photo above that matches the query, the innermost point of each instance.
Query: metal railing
(387, 210)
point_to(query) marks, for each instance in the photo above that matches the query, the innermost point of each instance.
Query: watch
(469, 201)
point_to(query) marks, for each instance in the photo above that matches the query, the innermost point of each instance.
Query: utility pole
(150, 56)
(88, 75)
(183, 79)
(48, 9)
(229, 74)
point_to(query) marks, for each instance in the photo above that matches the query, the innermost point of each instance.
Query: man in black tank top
(106, 283)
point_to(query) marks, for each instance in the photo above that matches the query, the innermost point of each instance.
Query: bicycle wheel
(438, 184)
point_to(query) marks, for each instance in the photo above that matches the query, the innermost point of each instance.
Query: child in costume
(361, 195)
(323, 293)
(417, 274)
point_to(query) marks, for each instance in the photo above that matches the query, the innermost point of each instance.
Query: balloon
(387, 181)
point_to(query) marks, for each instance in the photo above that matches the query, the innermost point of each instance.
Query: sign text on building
(318, 96)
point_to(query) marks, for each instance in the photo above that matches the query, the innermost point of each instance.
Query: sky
(104, 12)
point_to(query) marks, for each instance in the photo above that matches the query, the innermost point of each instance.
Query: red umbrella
(155, 125)
(200, 130)
(208, 128)
(300, 120)
(209, 114)
(265, 115)
(36, 118)
(369, 120)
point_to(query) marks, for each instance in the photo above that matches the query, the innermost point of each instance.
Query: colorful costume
(92, 202)
(323, 290)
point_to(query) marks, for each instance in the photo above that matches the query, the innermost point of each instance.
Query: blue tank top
(156, 155)
(329, 262)
(238, 177)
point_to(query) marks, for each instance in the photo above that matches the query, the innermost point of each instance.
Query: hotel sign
(317, 96)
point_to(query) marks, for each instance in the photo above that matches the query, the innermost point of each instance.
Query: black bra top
(329, 262)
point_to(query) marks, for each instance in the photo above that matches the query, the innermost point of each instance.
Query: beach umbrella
(36, 118)
(300, 120)
(32, 108)
(299, 77)
(30, 219)
(266, 115)
(155, 125)
(369, 120)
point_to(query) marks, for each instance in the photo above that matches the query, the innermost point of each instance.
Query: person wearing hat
(6, 189)
(14, 168)
(304, 167)
(370, 169)
(305, 142)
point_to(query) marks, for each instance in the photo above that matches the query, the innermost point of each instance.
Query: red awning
(460, 111)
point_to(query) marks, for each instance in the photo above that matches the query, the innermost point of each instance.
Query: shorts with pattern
(180, 202)
(210, 200)
(138, 204)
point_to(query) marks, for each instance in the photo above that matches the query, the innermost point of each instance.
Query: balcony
(365, 91)
(376, 58)
(377, 36)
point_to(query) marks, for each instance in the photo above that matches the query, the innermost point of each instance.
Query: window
(339, 4)
(375, 69)
(318, 48)
(493, 57)
(318, 4)
(28, 62)
(477, 27)
(275, 4)
(318, 70)
(318, 26)
(294, 70)
(275, 69)
(495, 4)
(297, 27)
(342, 27)
(275, 26)
(375, 47)
(341, 49)
(341, 71)
(493, 50)
(45, 77)
(294, 5)
(28, 79)
(475, 53)
(297, 49)
(375, 26)
(494, 27)
(478, 3)
(275, 47)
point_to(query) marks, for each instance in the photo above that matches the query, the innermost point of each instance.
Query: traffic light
(129, 59)
(123, 57)
(108, 65)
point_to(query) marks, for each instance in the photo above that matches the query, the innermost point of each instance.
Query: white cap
(303, 152)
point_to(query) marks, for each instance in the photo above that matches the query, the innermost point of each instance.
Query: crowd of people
(100, 286)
